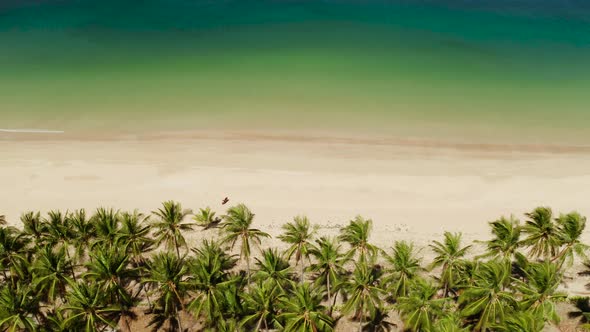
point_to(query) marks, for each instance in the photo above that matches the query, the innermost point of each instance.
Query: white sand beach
(411, 191)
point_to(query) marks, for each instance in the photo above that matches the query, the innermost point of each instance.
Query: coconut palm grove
(128, 271)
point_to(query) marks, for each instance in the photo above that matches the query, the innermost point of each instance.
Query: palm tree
(109, 268)
(449, 323)
(271, 266)
(487, 301)
(19, 308)
(134, 238)
(169, 275)
(302, 311)
(506, 238)
(50, 273)
(59, 229)
(108, 225)
(84, 231)
(501, 290)
(57, 321)
(227, 325)
(134, 235)
(543, 237)
(571, 227)
(356, 234)
(87, 302)
(13, 252)
(521, 321)
(540, 290)
(171, 225)
(467, 274)
(60, 233)
(329, 265)
(232, 305)
(209, 276)
(421, 307)
(403, 268)
(21, 270)
(2, 219)
(364, 291)
(450, 256)
(299, 235)
(206, 218)
(211, 255)
(237, 225)
(262, 306)
(33, 226)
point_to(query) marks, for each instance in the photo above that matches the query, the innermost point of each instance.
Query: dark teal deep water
(425, 68)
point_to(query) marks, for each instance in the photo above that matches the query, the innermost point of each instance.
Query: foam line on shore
(31, 131)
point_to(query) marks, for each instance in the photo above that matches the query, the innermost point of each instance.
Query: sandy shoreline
(411, 192)
(427, 188)
(471, 144)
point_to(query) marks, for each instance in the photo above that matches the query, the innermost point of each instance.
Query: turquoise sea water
(517, 69)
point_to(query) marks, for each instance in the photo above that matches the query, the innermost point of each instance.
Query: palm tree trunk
(302, 271)
(62, 297)
(71, 262)
(361, 319)
(143, 288)
(334, 302)
(445, 292)
(178, 320)
(329, 295)
(561, 262)
(248, 269)
(258, 324)
(561, 255)
(177, 249)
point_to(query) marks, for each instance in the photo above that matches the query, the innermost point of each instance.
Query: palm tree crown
(364, 291)
(237, 226)
(299, 235)
(542, 233)
(506, 238)
(356, 234)
(170, 225)
(420, 310)
(206, 218)
(210, 277)
(403, 268)
(488, 301)
(168, 275)
(302, 311)
(450, 256)
(329, 265)
(571, 227)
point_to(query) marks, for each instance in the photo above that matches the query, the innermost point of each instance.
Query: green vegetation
(66, 271)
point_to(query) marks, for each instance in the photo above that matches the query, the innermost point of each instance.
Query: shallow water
(509, 70)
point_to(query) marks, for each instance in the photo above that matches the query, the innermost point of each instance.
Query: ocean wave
(31, 131)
